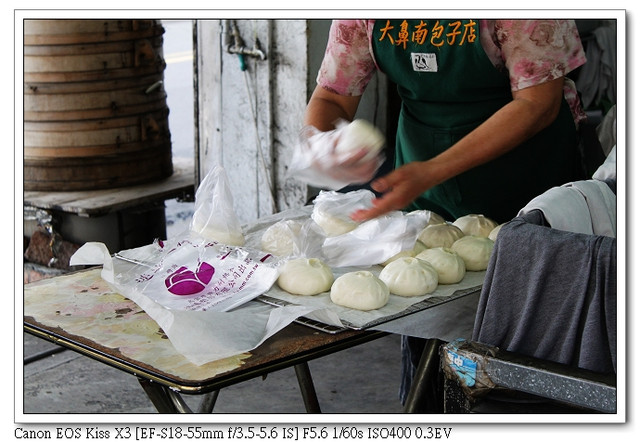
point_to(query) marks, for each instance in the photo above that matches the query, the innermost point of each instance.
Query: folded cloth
(587, 207)
(564, 209)
(602, 205)
(607, 170)
(550, 294)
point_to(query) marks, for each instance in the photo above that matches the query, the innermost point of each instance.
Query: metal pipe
(208, 402)
(306, 388)
(42, 355)
(425, 395)
(238, 46)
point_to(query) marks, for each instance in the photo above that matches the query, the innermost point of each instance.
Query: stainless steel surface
(489, 368)
(446, 321)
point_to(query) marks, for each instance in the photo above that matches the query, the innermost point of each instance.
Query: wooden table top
(104, 201)
(79, 310)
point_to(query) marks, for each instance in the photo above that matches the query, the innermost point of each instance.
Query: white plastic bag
(194, 274)
(374, 241)
(198, 285)
(214, 217)
(365, 244)
(198, 292)
(332, 210)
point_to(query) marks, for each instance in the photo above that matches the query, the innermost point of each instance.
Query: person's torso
(443, 74)
(448, 87)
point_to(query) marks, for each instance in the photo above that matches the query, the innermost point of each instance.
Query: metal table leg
(208, 402)
(159, 396)
(307, 389)
(168, 401)
(425, 394)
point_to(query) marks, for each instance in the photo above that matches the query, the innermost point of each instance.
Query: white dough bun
(332, 225)
(305, 276)
(475, 251)
(411, 253)
(493, 235)
(449, 265)
(220, 236)
(475, 225)
(410, 277)
(440, 235)
(279, 238)
(360, 290)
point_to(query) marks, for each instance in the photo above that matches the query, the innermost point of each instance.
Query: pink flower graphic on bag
(187, 282)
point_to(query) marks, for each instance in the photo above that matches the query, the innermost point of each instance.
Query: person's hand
(351, 167)
(319, 164)
(399, 188)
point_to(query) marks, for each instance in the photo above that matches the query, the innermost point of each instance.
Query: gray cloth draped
(551, 294)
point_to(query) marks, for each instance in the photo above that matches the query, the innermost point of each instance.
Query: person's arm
(531, 110)
(325, 108)
(345, 71)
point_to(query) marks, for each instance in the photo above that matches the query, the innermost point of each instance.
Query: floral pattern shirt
(531, 51)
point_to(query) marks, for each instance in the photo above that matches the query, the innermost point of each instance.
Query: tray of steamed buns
(446, 260)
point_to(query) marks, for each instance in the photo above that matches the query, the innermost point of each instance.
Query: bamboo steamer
(95, 111)
(72, 31)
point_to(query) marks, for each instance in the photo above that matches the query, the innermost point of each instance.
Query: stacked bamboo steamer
(95, 111)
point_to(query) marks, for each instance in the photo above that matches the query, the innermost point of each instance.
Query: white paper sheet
(201, 336)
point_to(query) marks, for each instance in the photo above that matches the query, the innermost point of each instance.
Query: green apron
(448, 87)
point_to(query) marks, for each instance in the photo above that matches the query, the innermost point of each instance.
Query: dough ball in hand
(475, 251)
(360, 290)
(475, 225)
(449, 265)
(410, 277)
(440, 235)
(305, 276)
(360, 134)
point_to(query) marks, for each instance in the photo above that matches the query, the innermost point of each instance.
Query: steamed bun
(360, 290)
(305, 276)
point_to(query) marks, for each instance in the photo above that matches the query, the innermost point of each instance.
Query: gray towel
(551, 294)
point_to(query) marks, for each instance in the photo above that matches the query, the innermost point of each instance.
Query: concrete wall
(275, 90)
